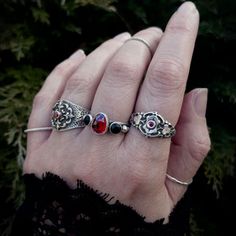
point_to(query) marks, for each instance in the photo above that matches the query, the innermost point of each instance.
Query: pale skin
(117, 78)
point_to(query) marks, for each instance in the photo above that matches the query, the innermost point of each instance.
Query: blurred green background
(36, 35)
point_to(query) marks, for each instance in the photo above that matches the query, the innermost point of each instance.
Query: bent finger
(47, 96)
(191, 143)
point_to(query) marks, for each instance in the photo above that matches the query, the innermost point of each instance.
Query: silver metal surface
(67, 115)
(37, 129)
(179, 181)
(142, 41)
(152, 124)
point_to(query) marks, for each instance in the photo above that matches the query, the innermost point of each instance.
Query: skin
(128, 166)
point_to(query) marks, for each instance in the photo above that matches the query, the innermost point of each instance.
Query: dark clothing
(52, 208)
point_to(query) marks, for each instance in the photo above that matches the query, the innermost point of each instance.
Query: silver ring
(142, 41)
(37, 129)
(67, 115)
(100, 124)
(171, 178)
(152, 124)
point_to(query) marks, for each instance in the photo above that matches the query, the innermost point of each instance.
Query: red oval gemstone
(100, 123)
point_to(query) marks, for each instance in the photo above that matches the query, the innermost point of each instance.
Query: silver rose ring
(151, 124)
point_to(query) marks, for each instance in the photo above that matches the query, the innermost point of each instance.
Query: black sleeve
(52, 208)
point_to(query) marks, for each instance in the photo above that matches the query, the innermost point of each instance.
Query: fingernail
(200, 102)
(187, 6)
(77, 54)
(123, 36)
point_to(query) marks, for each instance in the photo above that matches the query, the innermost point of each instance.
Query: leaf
(221, 160)
(40, 16)
(73, 28)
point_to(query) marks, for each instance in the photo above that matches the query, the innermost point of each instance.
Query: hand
(128, 166)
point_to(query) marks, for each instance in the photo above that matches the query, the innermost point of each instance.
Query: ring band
(37, 129)
(142, 41)
(152, 124)
(100, 124)
(171, 178)
(67, 115)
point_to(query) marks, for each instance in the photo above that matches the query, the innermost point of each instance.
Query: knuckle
(181, 26)
(39, 99)
(120, 68)
(168, 75)
(152, 33)
(79, 83)
(107, 45)
(200, 148)
(62, 67)
(156, 31)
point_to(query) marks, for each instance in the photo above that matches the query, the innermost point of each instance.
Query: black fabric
(52, 208)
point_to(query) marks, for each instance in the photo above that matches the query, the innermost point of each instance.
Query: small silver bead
(125, 128)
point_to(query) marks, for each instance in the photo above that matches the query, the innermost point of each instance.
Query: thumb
(190, 144)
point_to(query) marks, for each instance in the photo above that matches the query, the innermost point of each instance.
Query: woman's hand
(128, 166)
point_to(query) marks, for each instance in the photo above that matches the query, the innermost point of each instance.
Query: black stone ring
(100, 124)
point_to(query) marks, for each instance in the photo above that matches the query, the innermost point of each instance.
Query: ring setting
(66, 115)
(152, 124)
(100, 124)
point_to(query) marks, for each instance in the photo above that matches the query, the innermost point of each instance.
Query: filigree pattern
(151, 124)
(67, 115)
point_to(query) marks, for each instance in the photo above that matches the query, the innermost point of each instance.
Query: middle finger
(117, 91)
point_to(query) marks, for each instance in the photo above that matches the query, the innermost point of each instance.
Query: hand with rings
(119, 118)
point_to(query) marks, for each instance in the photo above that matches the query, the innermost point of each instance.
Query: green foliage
(195, 230)
(40, 15)
(37, 35)
(16, 95)
(17, 39)
(15, 103)
(221, 160)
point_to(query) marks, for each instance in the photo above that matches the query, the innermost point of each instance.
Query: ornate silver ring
(101, 124)
(152, 124)
(66, 115)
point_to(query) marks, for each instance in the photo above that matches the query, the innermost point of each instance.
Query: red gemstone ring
(67, 115)
(100, 124)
